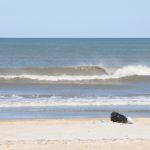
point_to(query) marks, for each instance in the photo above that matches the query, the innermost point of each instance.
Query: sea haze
(61, 78)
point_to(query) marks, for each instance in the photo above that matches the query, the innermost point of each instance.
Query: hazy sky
(74, 18)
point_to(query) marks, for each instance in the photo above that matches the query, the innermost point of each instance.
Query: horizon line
(76, 37)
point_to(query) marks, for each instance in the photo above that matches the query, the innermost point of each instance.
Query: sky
(75, 18)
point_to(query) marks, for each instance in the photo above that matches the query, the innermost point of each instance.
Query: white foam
(18, 101)
(133, 70)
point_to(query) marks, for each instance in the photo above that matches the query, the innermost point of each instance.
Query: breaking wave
(80, 73)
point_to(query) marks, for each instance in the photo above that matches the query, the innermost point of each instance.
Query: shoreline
(101, 118)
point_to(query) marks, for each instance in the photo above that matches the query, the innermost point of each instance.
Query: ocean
(74, 78)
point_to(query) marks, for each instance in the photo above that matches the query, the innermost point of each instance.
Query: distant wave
(39, 101)
(138, 72)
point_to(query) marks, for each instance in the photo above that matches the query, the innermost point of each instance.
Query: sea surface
(74, 78)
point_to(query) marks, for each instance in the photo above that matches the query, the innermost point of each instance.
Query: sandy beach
(74, 134)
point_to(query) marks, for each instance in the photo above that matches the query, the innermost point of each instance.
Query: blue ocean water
(61, 78)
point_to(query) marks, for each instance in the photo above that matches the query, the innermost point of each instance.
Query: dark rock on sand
(117, 117)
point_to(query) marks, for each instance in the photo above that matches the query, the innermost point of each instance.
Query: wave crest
(73, 70)
(127, 72)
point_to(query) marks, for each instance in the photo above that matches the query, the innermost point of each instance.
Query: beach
(58, 94)
(73, 134)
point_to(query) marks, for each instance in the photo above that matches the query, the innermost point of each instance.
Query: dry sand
(74, 134)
